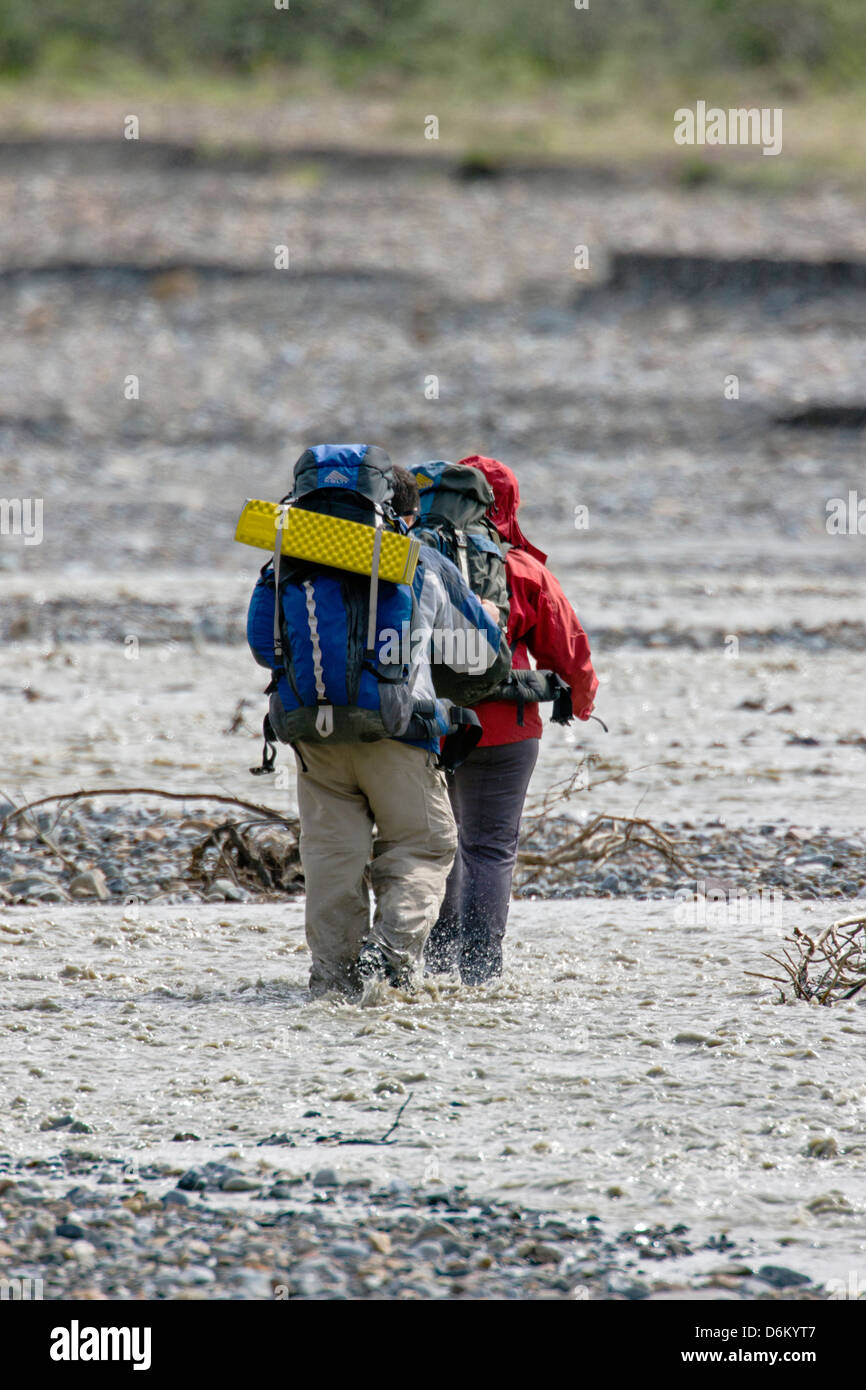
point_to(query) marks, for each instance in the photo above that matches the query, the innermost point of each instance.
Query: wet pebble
(175, 1198)
(779, 1277)
(91, 884)
(326, 1177)
(237, 1182)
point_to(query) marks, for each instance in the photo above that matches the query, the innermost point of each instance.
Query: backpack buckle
(269, 750)
(325, 721)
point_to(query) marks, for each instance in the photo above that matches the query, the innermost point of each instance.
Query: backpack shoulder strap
(278, 555)
(461, 540)
(370, 654)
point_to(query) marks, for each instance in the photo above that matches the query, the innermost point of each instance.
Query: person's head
(506, 495)
(406, 499)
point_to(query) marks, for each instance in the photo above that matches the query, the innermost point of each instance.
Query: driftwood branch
(386, 1137)
(43, 838)
(826, 968)
(600, 839)
(550, 843)
(69, 797)
(243, 853)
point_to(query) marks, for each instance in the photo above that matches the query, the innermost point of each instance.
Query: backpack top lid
(454, 492)
(361, 468)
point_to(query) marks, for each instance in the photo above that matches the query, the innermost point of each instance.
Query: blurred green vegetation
(537, 79)
(519, 43)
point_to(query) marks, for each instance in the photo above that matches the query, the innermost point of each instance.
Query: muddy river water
(625, 1067)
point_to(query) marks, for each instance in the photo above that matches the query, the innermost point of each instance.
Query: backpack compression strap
(325, 717)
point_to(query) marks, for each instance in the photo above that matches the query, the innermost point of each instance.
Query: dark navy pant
(487, 795)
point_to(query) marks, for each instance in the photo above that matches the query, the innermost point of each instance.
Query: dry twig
(250, 858)
(826, 968)
(69, 797)
(597, 841)
(386, 1137)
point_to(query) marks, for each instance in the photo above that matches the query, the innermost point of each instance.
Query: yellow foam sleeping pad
(327, 540)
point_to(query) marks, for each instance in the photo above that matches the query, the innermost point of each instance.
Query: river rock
(175, 1198)
(238, 1182)
(68, 1230)
(326, 1177)
(779, 1277)
(823, 1146)
(348, 1250)
(192, 1181)
(624, 1286)
(223, 889)
(90, 884)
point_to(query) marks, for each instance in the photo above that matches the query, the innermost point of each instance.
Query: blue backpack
(337, 643)
(327, 683)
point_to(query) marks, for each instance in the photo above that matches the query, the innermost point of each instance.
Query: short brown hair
(406, 498)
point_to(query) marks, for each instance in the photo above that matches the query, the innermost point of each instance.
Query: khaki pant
(345, 789)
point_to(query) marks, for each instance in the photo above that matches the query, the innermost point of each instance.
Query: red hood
(506, 494)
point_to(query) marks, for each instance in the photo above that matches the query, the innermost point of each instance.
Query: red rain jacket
(541, 619)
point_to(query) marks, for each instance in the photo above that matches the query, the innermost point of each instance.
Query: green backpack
(452, 518)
